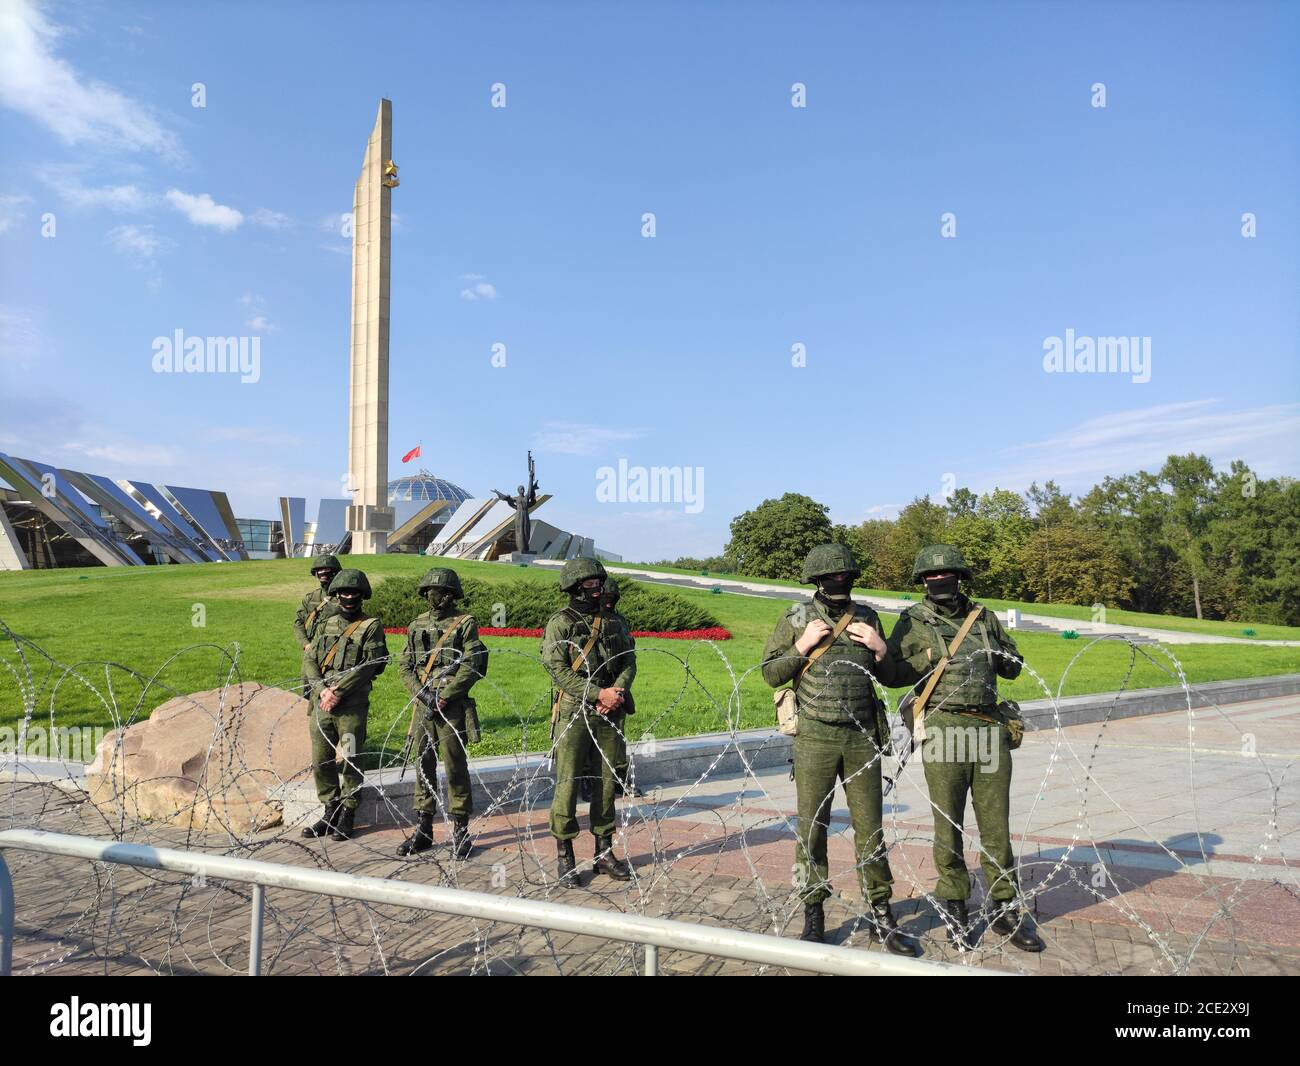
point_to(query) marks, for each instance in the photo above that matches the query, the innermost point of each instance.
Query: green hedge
(528, 604)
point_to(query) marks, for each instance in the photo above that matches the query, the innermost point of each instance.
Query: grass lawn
(1082, 613)
(141, 619)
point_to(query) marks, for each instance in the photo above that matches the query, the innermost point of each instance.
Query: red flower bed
(712, 633)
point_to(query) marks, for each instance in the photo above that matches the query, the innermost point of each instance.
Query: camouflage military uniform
(351, 672)
(584, 736)
(314, 606)
(462, 660)
(963, 751)
(842, 735)
(620, 633)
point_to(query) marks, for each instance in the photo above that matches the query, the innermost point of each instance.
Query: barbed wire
(679, 836)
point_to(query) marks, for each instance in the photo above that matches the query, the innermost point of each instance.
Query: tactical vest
(316, 608)
(427, 630)
(836, 687)
(597, 665)
(970, 680)
(349, 654)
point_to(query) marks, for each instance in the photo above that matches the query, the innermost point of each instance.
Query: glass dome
(423, 487)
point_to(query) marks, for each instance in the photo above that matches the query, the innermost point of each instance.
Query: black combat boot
(1015, 924)
(462, 844)
(566, 866)
(343, 823)
(421, 839)
(323, 825)
(814, 923)
(888, 933)
(953, 913)
(608, 863)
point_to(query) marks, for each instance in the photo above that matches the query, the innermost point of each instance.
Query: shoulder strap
(918, 709)
(315, 611)
(329, 655)
(825, 644)
(454, 625)
(591, 643)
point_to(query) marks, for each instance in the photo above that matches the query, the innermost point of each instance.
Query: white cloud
(202, 210)
(123, 453)
(270, 219)
(1268, 437)
(577, 438)
(138, 243)
(118, 198)
(20, 338)
(78, 111)
(479, 288)
(270, 438)
(12, 210)
(258, 322)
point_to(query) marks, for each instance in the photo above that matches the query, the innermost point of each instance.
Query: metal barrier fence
(653, 933)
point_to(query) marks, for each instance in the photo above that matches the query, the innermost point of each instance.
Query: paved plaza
(1160, 844)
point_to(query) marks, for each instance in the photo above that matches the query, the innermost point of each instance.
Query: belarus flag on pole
(414, 453)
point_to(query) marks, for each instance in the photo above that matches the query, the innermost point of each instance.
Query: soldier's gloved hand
(867, 636)
(813, 633)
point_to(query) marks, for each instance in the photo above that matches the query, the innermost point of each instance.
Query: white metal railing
(654, 933)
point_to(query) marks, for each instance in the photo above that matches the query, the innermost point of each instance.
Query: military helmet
(326, 562)
(440, 577)
(829, 559)
(611, 589)
(939, 557)
(350, 581)
(576, 571)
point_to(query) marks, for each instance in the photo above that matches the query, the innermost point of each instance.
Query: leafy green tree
(773, 538)
(920, 523)
(1190, 480)
(1069, 563)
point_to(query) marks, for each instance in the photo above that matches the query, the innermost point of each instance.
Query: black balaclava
(587, 600)
(442, 601)
(943, 590)
(325, 577)
(835, 589)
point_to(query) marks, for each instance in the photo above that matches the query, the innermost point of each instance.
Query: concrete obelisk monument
(370, 519)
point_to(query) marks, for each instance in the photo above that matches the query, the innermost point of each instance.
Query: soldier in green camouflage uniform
(843, 733)
(314, 606)
(344, 657)
(591, 705)
(440, 690)
(967, 745)
(616, 623)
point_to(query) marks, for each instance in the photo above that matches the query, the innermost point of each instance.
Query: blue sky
(775, 226)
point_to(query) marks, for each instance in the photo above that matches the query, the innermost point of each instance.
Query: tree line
(1185, 540)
